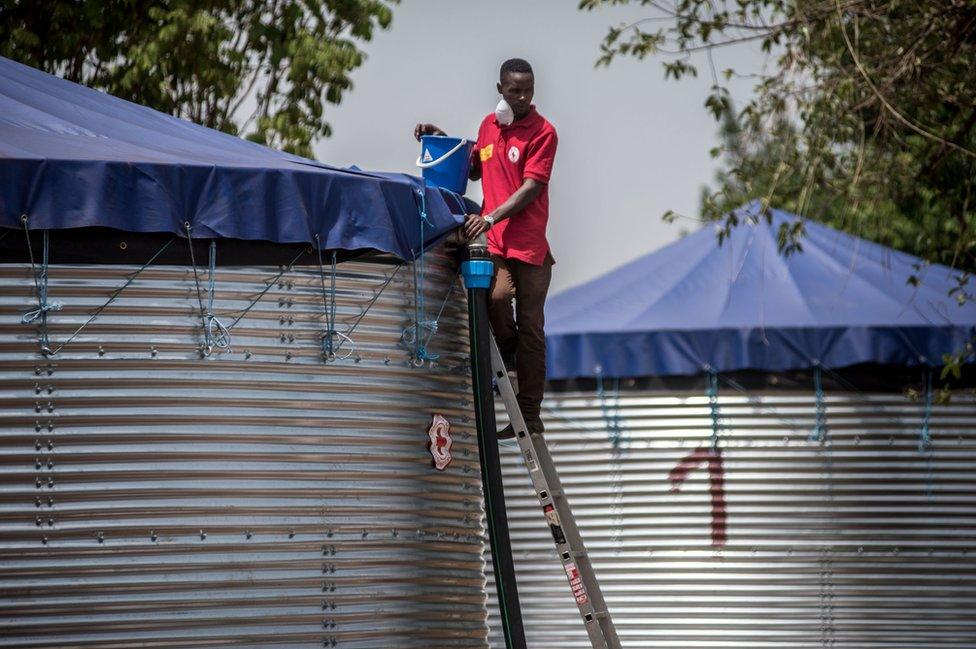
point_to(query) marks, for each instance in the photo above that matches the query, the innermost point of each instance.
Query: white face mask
(503, 113)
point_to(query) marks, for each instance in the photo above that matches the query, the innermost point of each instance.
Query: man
(513, 158)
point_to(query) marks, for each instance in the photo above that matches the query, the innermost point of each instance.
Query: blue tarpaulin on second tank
(695, 304)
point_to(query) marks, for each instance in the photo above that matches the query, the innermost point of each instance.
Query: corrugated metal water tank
(861, 542)
(258, 497)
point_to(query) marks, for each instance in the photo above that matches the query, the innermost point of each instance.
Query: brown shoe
(531, 426)
(506, 433)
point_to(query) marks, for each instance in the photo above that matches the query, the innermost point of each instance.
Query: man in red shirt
(513, 158)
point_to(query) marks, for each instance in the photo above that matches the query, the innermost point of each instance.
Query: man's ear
(499, 87)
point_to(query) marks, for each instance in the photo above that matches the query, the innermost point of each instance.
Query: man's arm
(518, 201)
(474, 168)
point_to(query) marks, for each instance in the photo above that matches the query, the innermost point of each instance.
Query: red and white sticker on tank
(440, 442)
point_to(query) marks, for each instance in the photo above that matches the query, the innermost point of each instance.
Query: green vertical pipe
(477, 278)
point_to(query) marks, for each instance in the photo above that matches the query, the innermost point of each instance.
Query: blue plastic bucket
(445, 161)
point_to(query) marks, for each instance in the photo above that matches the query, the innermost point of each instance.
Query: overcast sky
(631, 145)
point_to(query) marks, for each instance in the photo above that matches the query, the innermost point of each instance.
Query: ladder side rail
(562, 525)
(570, 529)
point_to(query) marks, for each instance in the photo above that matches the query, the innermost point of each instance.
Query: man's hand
(475, 225)
(426, 129)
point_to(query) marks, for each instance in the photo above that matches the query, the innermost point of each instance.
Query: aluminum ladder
(569, 544)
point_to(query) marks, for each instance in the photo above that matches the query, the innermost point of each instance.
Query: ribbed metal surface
(828, 546)
(259, 497)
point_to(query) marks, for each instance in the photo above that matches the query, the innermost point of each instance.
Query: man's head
(516, 83)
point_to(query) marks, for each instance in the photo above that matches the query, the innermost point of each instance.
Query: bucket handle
(434, 163)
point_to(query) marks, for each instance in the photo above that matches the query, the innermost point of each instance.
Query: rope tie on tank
(610, 416)
(711, 391)
(329, 346)
(819, 431)
(40, 285)
(42, 290)
(215, 334)
(925, 435)
(414, 333)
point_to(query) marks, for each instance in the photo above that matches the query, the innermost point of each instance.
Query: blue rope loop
(819, 431)
(215, 334)
(711, 391)
(328, 304)
(43, 309)
(222, 336)
(422, 195)
(408, 336)
(615, 425)
(115, 294)
(41, 287)
(610, 416)
(925, 437)
(413, 334)
(925, 434)
(332, 338)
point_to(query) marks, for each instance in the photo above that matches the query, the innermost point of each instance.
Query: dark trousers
(521, 333)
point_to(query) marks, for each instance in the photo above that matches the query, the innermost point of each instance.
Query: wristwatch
(490, 220)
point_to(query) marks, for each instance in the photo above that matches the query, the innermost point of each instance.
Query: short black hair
(518, 66)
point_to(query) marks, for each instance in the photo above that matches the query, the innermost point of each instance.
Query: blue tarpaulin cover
(73, 157)
(743, 305)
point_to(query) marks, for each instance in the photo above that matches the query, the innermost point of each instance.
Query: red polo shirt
(510, 154)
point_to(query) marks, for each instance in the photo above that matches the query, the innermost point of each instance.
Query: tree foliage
(864, 118)
(264, 69)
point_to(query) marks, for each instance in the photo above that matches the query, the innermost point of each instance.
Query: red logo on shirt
(513, 154)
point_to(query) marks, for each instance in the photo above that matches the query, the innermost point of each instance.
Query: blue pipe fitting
(477, 273)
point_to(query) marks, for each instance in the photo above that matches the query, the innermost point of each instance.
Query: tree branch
(884, 102)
